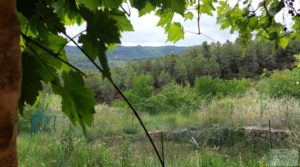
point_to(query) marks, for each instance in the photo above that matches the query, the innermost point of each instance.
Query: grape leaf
(100, 26)
(146, 9)
(165, 17)
(176, 6)
(112, 3)
(207, 7)
(122, 21)
(78, 102)
(175, 32)
(188, 16)
(92, 5)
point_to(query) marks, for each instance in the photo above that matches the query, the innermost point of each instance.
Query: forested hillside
(225, 61)
(124, 53)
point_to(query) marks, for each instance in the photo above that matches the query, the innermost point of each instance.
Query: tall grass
(116, 138)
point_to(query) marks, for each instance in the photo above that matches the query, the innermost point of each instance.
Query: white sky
(146, 33)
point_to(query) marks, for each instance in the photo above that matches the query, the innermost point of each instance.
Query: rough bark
(10, 81)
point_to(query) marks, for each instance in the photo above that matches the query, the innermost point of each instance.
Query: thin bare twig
(198, 17)
(70, 41)
(200, 34)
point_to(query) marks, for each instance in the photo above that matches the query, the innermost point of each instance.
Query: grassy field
(116, 138)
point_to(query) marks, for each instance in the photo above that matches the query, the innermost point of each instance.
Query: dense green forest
(225, 61)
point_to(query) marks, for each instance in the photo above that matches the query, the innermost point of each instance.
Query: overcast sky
(146, 33)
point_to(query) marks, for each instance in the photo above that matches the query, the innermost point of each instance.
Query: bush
(208, 87)
(172, 98)
(103, 89)
(141, 90)
(281, 84)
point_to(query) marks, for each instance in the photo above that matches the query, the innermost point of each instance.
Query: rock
(264, 132)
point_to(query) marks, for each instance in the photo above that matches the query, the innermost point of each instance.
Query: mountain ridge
(134, 52)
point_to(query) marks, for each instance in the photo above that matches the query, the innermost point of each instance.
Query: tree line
(224, 61)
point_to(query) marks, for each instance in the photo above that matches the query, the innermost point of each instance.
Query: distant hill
(133, 52)
(123, 53)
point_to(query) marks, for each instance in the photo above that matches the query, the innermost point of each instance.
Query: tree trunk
(10, 81)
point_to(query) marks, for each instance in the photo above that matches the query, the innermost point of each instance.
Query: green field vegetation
(198, 104)
(211, 93)
(219, 115)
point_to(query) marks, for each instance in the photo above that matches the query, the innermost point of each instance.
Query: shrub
(141, 88)
(281, 84)
(172, 98)
(208, 87)
(104, 90)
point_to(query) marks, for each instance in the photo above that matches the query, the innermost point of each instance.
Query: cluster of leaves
(208, 87)
(284, 83)
(246, 19)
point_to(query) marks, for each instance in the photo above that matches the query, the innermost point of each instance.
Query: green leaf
(53, 43)
(283, 42)
(146, 9)
(101, 26)
(252, 22)
(123, 22)
(78, 102)
(175, 5)
(188, 16)
(89, 45)
(35, 71)
(175, 32)
(207, 7)
(111, 47)
(138, 4)
(276, 7)
(27, 9)
(31, 84)
(104, 62)
(165, 17)
(112, 3)
(92, 5)
(68, 11)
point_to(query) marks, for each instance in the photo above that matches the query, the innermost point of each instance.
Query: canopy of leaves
(43, 29)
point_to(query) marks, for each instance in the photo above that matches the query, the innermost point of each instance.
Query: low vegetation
(201, 109)
(116, 139)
